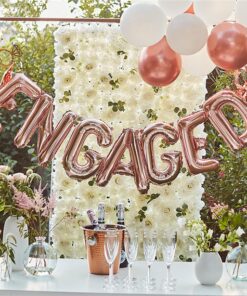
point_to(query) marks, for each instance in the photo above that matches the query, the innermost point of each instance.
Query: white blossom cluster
(95, 66)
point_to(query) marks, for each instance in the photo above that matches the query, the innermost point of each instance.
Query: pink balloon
(158, 64)
(191, 145)
(213, 108)
(70, 159)
(227, 45)
(172, 159)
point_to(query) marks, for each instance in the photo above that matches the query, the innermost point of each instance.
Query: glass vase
(5, 268)
(236, 263)
(40, 258)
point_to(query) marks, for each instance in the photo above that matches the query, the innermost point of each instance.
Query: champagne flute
(150, 248)
(111, 246)
(131, 248)
(169, 242)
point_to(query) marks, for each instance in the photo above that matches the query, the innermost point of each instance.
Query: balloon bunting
(140, 143)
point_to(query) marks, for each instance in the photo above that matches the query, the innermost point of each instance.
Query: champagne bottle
(101, 215)
(120, 221)
(92, 217)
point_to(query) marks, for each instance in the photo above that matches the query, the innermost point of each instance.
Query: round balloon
(158, 64)
(227, 45)
(143, 24)
(214, 11)
(187, 34)
(174, 7)
(198, 64)
(241, 12)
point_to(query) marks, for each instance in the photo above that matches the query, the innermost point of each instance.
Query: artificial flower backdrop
(96, 77)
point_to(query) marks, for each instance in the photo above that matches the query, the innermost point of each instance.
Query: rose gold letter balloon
(158, 64)
(213, 107)
(112, 164)
(172, 159)
(56, 138)
(70, 159)
(191, 145)
(227, 46)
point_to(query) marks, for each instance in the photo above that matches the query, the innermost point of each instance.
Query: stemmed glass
(131, 248)
(111, 246)
(150, 248)
(169, 242)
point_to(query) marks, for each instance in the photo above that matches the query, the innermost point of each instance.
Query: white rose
(240, 231)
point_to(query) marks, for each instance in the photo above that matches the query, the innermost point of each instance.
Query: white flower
(240, 231)
(4, 169)
(181, 221)
(217, 247)
(222, 237)
(19, 177)
(210, 233)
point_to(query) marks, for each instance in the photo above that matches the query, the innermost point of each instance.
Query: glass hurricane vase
(236, 263)
(40, 258)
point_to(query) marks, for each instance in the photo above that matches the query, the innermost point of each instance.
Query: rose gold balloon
(173, 159)
(191, 145)
(70, 159)
(110, 163)
(42, 109)
(213, 107)
(158, 64)
(227, 45)
(190, 9)
(56, 138)
(138, 162)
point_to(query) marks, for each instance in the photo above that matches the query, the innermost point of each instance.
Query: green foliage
(151, 115)
(101, 8)
(37, 62)
(6, 248)
(182, 211)
(117, 106)
(229, 183)
(23, 8)
(181, 112)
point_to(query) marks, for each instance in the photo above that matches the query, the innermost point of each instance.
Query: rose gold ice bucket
(94, 241)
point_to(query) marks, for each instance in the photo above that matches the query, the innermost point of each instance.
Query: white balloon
(241, 12)
(198, 64)
(214, 12)
(174, 7)
(187, 34)
(143, 24)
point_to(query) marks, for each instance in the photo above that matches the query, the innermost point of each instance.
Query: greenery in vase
(6, 248)
(226, 228)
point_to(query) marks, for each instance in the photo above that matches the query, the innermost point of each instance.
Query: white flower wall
(96, 77)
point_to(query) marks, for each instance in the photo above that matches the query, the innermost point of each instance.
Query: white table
(71, 277)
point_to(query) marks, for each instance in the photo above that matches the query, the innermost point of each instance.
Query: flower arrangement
(20, 197)
(226, 229)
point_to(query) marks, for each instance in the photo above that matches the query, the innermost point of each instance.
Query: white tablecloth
(71, 277)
